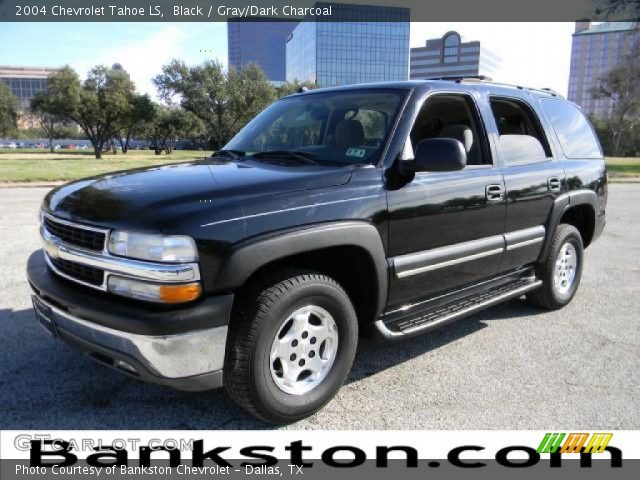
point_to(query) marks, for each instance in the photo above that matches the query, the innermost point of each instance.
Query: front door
(446, 228)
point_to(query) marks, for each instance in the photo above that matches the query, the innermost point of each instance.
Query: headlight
(158, 248)
(153, 292)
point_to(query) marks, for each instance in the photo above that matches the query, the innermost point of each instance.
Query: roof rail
(484, 78)
(460, 78)
(549, 90)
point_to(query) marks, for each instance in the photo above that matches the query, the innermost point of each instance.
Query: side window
(452, 116)
(572, 129)
(522, 139)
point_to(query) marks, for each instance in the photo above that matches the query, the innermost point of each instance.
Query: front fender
(249, 256)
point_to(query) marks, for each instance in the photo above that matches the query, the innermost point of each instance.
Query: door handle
(494, 193)
(553, 184)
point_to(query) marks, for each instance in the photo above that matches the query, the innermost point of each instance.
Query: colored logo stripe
(574, 442)
(598, 442)
(551, 442)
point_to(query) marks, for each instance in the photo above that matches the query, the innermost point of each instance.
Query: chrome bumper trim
(169, 357)
(158, 272)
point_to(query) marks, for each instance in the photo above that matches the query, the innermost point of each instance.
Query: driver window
(452, 116)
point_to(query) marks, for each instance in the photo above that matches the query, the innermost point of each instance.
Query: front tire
(561, 270)
(291, 345)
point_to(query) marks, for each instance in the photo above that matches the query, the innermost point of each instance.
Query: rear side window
(522, 140)
(573, 129)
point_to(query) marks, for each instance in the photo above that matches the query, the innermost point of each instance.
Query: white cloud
(143, 54)
(531, 54)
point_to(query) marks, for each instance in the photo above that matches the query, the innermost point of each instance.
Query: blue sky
(142, 48)
(532, 54)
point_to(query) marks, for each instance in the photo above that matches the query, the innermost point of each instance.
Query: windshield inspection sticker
(356, 152)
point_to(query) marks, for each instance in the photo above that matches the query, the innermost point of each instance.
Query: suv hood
(148, 198)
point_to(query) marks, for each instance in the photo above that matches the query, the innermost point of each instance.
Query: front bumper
(182, 347)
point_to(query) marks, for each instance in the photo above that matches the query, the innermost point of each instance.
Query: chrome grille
(80, 236)
(93, 276)
(79, 253)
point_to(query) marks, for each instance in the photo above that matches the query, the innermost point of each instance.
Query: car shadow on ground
(44, 384)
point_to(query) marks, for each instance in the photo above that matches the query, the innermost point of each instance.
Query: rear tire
(291, 344)
(561, 271)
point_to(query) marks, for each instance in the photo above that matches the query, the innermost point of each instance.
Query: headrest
(462, 133)
(349, 133)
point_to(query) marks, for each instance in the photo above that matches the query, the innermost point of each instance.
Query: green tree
(622, 87)
(8, 111)
(41, 107)
(97, 105)
(141, 110)
(622, 8)
(223, 100)
(171, 124)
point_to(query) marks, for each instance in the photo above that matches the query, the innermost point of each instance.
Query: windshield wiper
(233, 154)
(302, 157)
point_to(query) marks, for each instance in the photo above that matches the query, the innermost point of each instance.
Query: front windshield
(347, 127)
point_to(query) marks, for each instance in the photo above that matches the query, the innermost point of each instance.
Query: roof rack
(549, 90)
(460, 78)
(484, 78)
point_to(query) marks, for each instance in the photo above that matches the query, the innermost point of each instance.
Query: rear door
(533, 176)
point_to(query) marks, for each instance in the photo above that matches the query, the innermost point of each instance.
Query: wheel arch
(350, 252)
(577, 208)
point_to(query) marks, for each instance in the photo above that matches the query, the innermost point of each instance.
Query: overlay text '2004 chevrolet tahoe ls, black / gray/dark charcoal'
(396, 206)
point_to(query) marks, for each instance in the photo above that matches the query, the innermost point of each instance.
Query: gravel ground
(509, 367)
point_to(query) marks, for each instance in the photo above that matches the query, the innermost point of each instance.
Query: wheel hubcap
(304, 350)
(565, 269)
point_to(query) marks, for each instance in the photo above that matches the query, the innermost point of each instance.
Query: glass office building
(262, 43)
(595, 50)
(25, 82)
(373, 49)
(450, 56)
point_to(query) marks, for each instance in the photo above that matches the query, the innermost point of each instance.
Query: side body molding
(560, 206)
(247, 257)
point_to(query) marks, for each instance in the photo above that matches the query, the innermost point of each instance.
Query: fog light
(153, 292)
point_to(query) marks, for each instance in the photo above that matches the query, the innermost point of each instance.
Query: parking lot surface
(509, 367)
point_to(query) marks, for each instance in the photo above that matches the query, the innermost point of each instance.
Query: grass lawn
(623, 167)
(29, 165)
(16, 166)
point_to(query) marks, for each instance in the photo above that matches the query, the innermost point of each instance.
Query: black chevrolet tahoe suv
(394, 206)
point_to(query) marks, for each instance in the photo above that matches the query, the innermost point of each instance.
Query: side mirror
(439, 155)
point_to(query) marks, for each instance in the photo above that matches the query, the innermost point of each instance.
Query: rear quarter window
(573, 130)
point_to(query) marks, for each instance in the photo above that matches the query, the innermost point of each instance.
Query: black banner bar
(425, 469)
(311, 10)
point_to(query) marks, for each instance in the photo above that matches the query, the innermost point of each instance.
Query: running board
(443, 314)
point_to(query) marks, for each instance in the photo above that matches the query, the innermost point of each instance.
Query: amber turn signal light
(180, 293)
